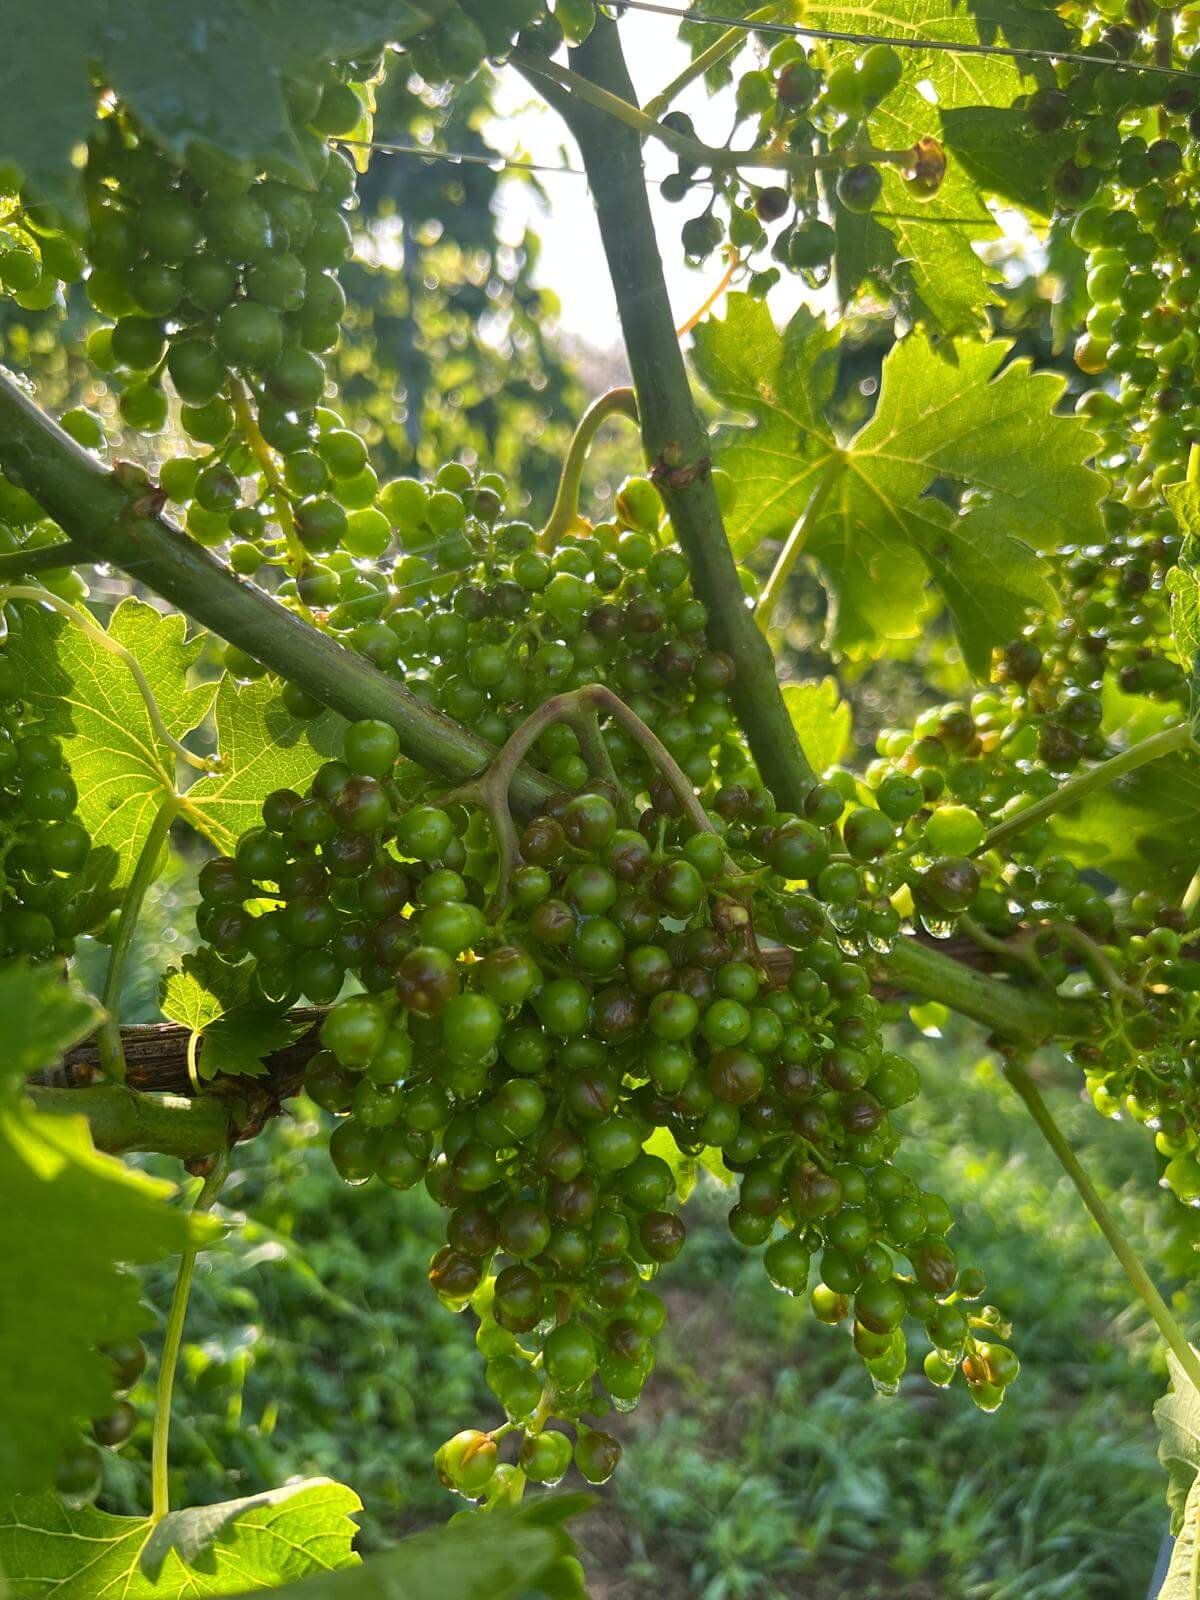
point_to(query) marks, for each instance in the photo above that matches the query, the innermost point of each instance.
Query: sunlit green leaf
(215, 76)
(262, 748)
(954, 487)
(822, 720)
(90, 700)
(267, 1539)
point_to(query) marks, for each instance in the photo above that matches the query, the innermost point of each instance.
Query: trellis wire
(791, 30)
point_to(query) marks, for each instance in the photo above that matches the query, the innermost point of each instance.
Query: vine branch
(564, 514)
(1097, 777)
(724, 45)
(104, 519)
(673, 435)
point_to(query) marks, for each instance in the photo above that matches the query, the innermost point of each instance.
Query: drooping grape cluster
(79, 1475)
(795, 104)
(964, 770)
(548, 1053)
(53, 883)
(223, 279)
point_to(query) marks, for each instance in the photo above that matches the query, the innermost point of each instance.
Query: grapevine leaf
(262, 748)
(90, 701)
(989, 578)
(1183, 582)
(43, 1016)
(1182, 1581)
(237, 1044)
(264, 1540)
(661, 1143)
(202, 989)
(783, 384)
(1177, 1417)
(216, 76)
(713, 1162)
(821, 719)
(961, 477)
(494, 1555)
(921, 250)
(212, 998)
(64, 1202)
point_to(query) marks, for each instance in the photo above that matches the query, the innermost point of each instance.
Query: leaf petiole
(172, 1340)
(1099, 777)
(108, 1035)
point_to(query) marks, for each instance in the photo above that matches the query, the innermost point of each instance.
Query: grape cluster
(963, 769)
(793, 103)
(224, 280)
(482, 625)
(546, 1053)
(78, 1479)
(53, 882)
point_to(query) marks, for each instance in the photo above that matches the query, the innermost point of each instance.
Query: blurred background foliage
(761, 1464)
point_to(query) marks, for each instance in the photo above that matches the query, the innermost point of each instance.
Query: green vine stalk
(172, 1341)
(112, 525)
(1147, 1291)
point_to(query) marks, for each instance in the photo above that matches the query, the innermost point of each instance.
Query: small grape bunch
(79, 1474)
(53, 881)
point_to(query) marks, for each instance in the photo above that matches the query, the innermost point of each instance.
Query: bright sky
(572, 261)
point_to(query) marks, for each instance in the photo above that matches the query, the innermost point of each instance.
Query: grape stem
(1023, 947)
(723, 45)
(97, 635)
(172, 1340)
(694, 151)
(797, 538)
(1017, 1074)
(736, 260)
(261, 451)
(564, 514)
(1165, 743)
(41, 558)
(108, 1034)
(577, 709)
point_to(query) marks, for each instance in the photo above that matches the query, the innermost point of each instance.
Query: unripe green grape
(354, 1151)
(355, 1030)
(297, 377)
(545, 1457)
(596, 1455)
(468, 1462)
(85, 427)
(143, 405)
(249, 335)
